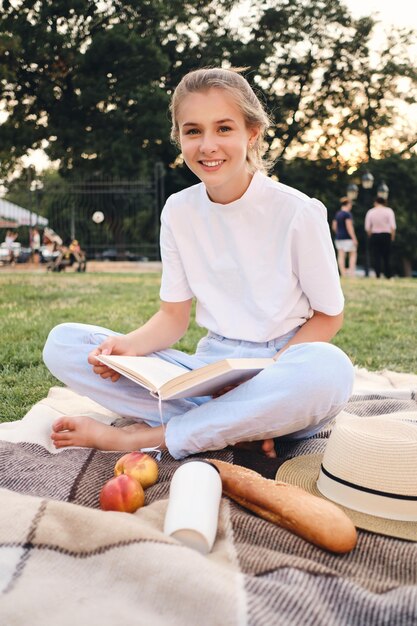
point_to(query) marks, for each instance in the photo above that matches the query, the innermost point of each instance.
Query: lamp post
(36, 187)
(383, 190)
(367, 182)
(352, 191)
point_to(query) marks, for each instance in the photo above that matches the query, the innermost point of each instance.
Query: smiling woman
(258, 259)
(242, 102)
(215, 141)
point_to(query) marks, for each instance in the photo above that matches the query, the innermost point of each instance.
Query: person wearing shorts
(345, 241)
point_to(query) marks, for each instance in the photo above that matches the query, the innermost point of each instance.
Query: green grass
(379, 329)
(380, 324)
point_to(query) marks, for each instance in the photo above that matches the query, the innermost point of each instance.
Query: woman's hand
(119, 345)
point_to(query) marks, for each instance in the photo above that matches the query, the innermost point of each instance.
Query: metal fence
(112, 220)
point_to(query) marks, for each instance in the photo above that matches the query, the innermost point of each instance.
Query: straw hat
(369, 468)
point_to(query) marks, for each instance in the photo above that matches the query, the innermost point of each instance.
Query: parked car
(111, 254)
(108, 255)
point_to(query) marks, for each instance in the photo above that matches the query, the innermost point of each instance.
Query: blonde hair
(234, 83)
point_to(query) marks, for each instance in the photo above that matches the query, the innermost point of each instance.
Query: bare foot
(87, 432)
(267, 447)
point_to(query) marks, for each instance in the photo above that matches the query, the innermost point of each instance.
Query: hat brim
(303, 472)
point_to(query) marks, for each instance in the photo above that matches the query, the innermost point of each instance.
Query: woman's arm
(163, 329)
(320, 327)
(351, 230)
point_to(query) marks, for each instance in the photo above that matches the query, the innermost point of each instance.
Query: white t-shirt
(257, 266)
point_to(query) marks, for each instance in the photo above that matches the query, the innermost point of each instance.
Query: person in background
(77, 255)
(346, 242)
(9, 240)
(380, 226)
(35, 245)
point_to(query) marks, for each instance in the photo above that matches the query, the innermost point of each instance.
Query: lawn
(379, 329)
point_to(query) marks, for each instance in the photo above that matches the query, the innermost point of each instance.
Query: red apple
(140, 466)
(122, 493)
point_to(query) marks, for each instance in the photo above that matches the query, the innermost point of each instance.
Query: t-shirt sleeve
(314, 260)
(174, 284)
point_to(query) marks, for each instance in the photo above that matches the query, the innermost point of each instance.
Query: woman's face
(214, 141)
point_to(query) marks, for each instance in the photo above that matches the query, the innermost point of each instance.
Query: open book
(168, 381)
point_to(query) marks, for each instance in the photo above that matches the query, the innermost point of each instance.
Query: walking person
(380, 227)
(258, 258)
(346, 242)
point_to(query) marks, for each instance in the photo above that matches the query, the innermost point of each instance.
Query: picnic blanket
(63, 561)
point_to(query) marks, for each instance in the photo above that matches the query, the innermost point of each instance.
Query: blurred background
(84, 124)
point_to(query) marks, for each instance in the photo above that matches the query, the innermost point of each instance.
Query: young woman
(346, 241)
(258, 258)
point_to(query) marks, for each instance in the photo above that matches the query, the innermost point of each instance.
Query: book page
(149, 371)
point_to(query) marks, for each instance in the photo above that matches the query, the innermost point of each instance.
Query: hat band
(366, 500)
(387, 494)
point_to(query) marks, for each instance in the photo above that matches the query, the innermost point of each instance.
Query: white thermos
(193, 508)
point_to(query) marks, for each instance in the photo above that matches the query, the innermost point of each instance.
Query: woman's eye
(224, 129)
(192, 131)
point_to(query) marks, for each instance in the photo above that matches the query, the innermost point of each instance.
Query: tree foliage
(89, 80)
(327, 86)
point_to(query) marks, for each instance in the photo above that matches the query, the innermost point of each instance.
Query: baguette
(310, 517)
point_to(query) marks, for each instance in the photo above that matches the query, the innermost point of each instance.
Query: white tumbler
(193, 508)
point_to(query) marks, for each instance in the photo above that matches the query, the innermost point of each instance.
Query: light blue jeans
(307, 386)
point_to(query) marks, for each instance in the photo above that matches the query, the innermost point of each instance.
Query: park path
(140, 267)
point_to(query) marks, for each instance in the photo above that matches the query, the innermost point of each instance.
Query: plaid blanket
(64, 561)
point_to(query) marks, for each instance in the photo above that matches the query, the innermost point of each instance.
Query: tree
(381, 85)
(326, 86)
(90, 80)
(87, 79)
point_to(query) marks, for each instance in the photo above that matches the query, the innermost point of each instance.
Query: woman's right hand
(119, 345)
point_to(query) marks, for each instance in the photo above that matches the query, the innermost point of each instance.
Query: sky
(397, 12)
